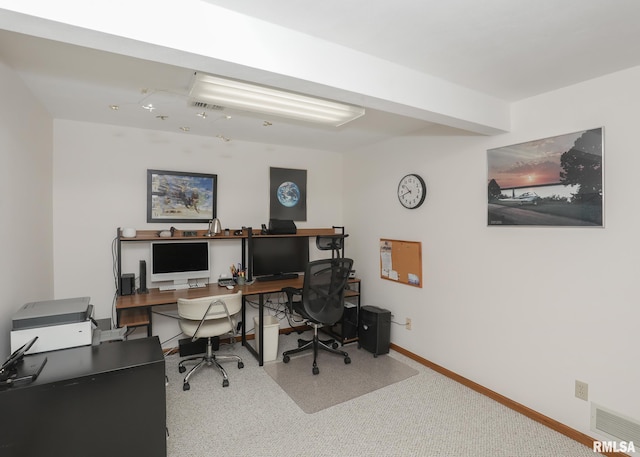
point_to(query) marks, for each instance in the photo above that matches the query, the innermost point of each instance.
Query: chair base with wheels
(316, 344)
(210, 360)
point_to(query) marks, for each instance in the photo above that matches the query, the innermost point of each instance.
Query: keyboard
(277, 277)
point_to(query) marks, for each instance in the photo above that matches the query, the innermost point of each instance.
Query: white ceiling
(504, 50)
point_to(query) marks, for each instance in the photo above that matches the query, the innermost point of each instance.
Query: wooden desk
(135, 310)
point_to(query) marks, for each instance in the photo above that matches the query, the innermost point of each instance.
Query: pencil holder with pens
(238, 274)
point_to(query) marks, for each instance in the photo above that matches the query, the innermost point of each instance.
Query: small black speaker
(143, 278)
(127, 284)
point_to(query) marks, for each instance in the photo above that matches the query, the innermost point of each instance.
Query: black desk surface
(99, 401)
(73, 363)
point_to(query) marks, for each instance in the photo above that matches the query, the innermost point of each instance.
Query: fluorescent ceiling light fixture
(259, 99)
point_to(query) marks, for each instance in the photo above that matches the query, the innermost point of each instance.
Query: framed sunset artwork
(555, 181)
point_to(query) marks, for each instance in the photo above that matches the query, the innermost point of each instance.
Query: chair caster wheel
(240, 365)
(347, 360)
(286, 359)
(334, 345)
(375, 356)
(225, 383)
(315, 370)
(181, 369)
(186, 386)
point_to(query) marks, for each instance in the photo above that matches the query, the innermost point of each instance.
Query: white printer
(58, 324)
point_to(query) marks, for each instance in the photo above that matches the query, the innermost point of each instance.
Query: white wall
(524, 311)
(26, 261)
(100, 175)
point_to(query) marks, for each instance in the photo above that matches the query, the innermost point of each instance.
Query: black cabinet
(374, 331)
(107, 400)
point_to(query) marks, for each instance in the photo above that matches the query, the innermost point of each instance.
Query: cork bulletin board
(401, 261)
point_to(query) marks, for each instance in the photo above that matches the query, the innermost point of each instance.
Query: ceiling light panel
(259, 99)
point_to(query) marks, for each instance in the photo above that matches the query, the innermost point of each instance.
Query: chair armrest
(290, 293)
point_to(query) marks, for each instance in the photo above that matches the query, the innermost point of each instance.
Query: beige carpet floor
(427, 415)
(337, 382)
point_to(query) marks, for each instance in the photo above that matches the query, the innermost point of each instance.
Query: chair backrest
(323, 289)
(334, 243)
(213, 306)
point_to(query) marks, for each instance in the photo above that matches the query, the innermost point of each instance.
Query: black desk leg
(259, 355)
(261, 322)
(244, 321)
(149, 327)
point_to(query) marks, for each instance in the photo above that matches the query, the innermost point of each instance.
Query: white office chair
(209, 317)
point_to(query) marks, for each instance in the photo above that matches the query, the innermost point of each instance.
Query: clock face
(412, 191)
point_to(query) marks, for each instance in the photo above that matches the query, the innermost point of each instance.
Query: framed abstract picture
(175, 196)
(556, 181)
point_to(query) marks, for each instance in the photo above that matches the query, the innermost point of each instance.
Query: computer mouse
(230, 287)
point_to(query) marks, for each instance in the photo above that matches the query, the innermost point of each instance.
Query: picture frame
(287, 194)
(555, 181)
(176, 196)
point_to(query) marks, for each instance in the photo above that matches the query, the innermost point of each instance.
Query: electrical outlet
(582, 390)
(407, 324)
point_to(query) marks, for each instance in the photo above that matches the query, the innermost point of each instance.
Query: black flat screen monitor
(280, 255)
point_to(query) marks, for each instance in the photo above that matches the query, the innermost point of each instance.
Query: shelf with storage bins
(346, 329)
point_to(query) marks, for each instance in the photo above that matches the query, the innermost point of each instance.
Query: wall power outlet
(582, 390)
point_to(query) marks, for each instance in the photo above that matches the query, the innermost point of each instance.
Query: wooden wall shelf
(153, 235)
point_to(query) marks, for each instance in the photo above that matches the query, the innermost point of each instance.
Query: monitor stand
(183, 285)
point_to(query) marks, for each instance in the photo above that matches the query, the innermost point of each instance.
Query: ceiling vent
(205, 105)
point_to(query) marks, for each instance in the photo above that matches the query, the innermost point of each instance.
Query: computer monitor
(179, 262)
(278, 256)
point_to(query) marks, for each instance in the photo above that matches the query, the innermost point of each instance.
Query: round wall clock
(412, 191)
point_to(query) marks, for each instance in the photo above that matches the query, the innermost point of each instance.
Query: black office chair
(333, 243)
(321, 303)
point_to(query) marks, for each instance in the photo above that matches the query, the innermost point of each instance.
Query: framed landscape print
(556, 181)
(175, 196)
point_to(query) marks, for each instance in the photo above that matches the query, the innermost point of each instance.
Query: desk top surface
(78, 362)
(157, 297)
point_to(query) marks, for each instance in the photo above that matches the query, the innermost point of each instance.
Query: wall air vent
(614, 425)
(205, 105)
